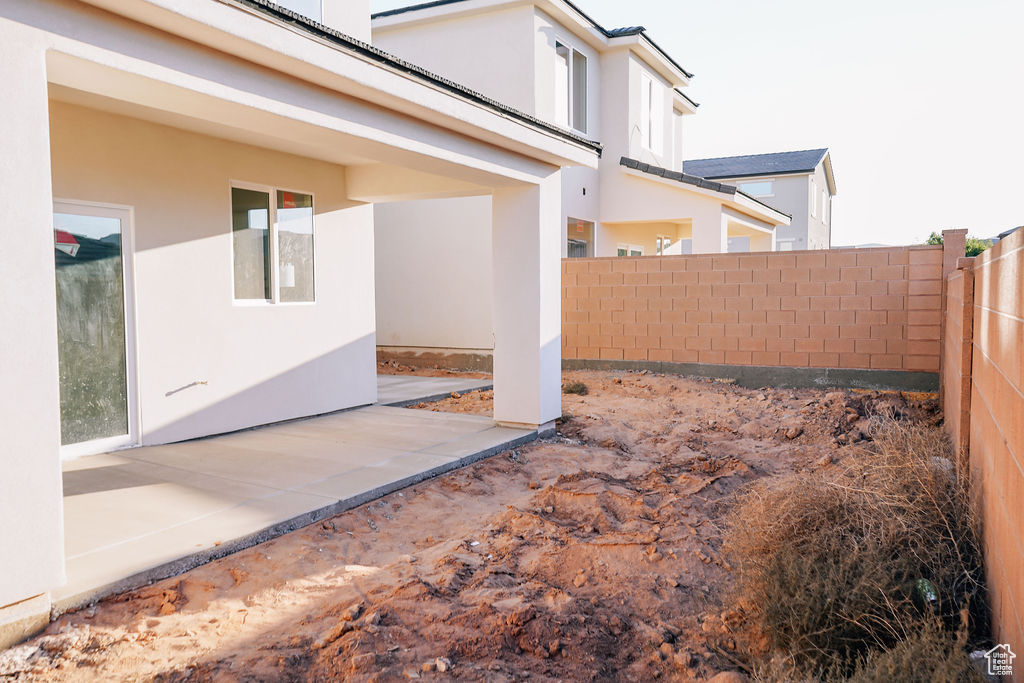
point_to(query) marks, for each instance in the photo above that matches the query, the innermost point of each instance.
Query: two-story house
(188, 191)
(800, 183)
(618, 87)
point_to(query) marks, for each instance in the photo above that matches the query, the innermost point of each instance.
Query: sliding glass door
(93, 327)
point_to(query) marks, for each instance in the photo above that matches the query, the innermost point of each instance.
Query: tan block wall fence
(844, 308)
(990, 428)
(958, 322)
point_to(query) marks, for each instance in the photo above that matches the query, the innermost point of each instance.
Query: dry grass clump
(927, 656)
(853, 572)
(578, 388)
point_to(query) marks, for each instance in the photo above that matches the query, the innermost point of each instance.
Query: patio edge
(62, 604)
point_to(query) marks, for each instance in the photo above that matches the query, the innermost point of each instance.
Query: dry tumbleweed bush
(842, 570)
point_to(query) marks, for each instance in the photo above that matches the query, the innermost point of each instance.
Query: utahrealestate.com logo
(1000, 660)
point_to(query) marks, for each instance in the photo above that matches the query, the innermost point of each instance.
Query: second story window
(814, 199)
(758, 188)
(311, 9)
(652, 126)
(570, 88)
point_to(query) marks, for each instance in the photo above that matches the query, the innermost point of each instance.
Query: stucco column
(527, 303)
(954, 248)
(31, 534)
(763, 242)
(710, 230)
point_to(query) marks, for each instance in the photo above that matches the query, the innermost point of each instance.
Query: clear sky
(920, 101)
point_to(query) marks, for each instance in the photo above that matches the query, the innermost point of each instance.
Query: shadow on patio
(148, 513)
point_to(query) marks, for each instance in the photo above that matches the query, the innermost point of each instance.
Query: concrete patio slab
(143, 514)
(403, 390)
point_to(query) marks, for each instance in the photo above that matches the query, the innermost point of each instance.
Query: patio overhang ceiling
(305, 96)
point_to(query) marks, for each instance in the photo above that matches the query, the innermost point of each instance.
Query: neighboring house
(618, 87)
(187, 189)
(800, 183)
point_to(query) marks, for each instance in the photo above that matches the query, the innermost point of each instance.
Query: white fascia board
(828, 174)
(740, 202)
(733, 180)
(576, 25)
(441, 13)
(562, 13)
(683, 104)
(748, 222)
(230, 27)
(758, 210)
(557, 11)
(652, 58)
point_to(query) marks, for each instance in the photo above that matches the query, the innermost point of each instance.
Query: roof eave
(829, 176)
(386, 19)
(385, 59)
(746, 176)
(728, 193)
(689, 103)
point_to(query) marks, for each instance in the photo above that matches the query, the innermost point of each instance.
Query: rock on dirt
(728, 677)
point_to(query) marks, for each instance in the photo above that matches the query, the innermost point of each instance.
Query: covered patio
(143, 514)
(197, 178)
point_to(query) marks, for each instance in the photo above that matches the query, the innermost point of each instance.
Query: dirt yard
(593, 555)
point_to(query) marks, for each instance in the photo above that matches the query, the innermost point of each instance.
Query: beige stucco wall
(492, 53)
(819, 229)
(792, 195)
(31, 548)
(351, 17)
(260, 363)
(434, 276)
(442, 245)
(665, 155)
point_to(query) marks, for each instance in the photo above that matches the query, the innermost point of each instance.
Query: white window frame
(652, 119)
(629, 248)
(814, 199)
(275, 267)
(571, 86)
(659, 241)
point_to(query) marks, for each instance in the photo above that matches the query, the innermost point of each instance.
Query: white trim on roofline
(560, 11)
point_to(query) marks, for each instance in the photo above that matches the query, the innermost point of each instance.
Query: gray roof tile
(803, 161)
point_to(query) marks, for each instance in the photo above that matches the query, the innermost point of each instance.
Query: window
(570, 88)
(580, 238)
(295, 246)
(651, 124)
(668, 246)
(250, 229)
(784, 245)
(311, 9)
(760, 188)
(630, 250)
(814, 199)
(272, 245)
